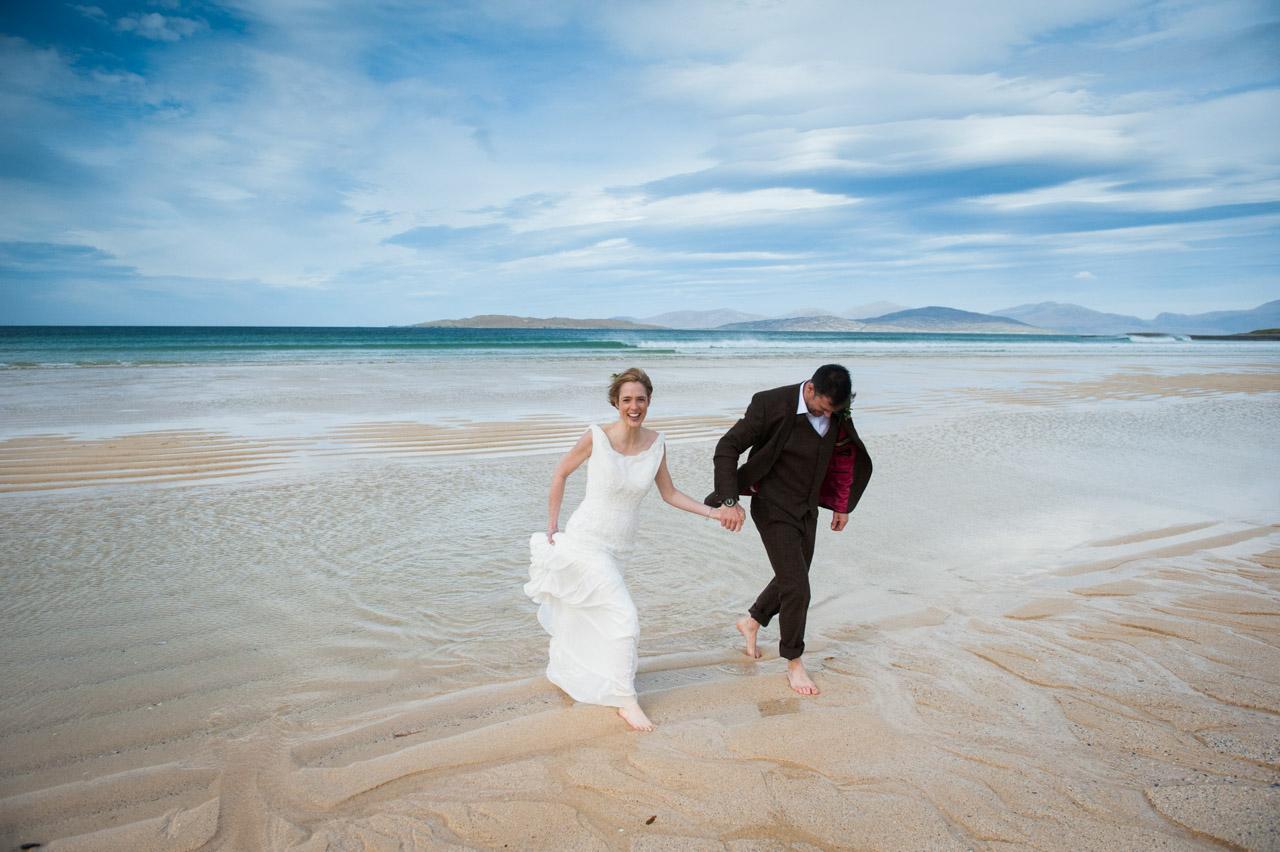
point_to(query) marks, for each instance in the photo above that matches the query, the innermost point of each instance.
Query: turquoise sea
(30, 346)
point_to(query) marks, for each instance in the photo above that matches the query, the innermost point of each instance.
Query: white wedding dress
(582, 599)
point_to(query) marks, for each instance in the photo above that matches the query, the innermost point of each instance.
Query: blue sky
(375, 163)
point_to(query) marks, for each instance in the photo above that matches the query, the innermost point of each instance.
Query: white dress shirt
(821, 422)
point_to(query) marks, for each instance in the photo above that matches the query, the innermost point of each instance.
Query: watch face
(731, 502)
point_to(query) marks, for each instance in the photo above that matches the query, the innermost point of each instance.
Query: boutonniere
(844, 422)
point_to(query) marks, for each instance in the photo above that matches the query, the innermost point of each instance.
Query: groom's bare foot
(634, 716)
(749, 627)
(799, 678)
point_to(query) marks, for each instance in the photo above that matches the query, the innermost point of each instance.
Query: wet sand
(1070, 640)
(1146, 719)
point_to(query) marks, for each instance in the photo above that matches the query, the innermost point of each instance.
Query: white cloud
(1219, 138)
(720, 207)
(94, 12)
(157, 27)
(1213, 153)
(690, 209)
(815, 93)
(909, 35)
(613, 252)
(946, 241)
(1099, 192)
(623, 256)
(1181, 22)
(934, 144)
(1017, 138)
(28, 72)
(1084, 275)
(1170, 238)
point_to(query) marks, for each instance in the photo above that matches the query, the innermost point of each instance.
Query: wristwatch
(729, 502)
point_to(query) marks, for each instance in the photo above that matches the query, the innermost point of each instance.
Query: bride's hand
(730, 519)
(551, 531)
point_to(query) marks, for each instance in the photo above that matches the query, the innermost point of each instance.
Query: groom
(805, 453)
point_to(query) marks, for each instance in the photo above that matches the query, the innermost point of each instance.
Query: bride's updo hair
(631, 374)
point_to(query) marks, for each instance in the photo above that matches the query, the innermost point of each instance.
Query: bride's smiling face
(633, 403)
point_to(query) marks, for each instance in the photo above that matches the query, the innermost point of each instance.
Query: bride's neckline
(609, 443)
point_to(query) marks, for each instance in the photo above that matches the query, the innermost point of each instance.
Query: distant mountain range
(814, 323)
(725, 317)
(1042, 318)
(1220, 322)
(508, 321)
(936, 318)
(873, 309)
(1074, 319)
(698, 319)
(932, 318)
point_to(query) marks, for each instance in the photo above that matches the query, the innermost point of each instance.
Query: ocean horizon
(86, 346)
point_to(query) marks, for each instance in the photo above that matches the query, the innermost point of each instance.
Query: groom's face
(819, 406)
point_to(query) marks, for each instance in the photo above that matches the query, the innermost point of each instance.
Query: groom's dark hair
(832, 381)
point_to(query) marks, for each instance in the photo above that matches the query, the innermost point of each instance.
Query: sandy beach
(280, 608)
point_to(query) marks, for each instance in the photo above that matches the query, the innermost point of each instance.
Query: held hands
(838, 520)
(731, 518)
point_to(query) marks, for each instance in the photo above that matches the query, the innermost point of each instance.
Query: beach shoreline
(1054, 623)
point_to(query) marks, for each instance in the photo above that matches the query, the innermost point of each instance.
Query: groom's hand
(733, 518)
(838, 520)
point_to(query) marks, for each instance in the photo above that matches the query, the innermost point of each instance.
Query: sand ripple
(530, 435)
(1064, 724)
(45, 462)
(1138, 386)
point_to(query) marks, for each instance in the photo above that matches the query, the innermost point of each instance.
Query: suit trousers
(789, 543)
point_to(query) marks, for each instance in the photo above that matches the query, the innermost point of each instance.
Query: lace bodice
(616, 484)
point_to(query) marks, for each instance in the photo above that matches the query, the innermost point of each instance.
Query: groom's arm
(741, 437)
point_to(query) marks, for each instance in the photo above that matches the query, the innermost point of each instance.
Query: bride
(576, 575)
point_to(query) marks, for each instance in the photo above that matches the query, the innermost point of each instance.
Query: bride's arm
(571, 461)
(675, 497)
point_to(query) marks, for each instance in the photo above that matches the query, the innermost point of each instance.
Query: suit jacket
(764, 430)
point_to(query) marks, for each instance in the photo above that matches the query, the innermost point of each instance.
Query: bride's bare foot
(749, 627)
(634, 716)
(799, 678)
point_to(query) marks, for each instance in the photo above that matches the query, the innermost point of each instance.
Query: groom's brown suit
(784, 473)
